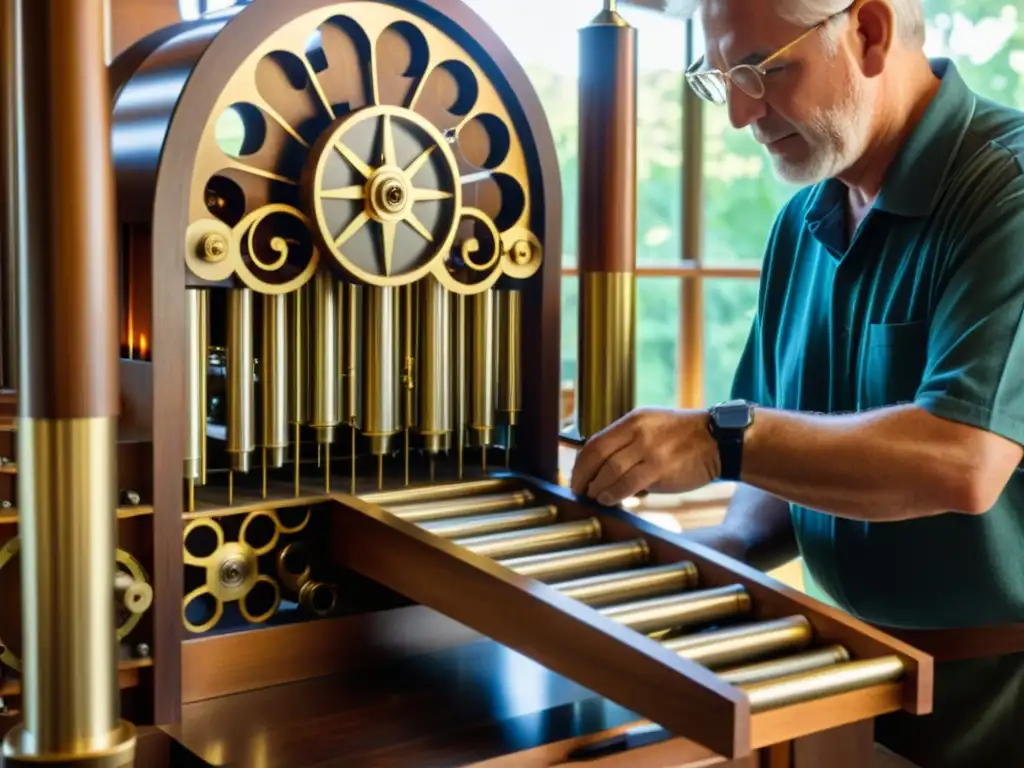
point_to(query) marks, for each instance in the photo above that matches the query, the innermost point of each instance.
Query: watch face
(733, 415)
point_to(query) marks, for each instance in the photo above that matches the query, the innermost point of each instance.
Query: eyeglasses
(713, 84)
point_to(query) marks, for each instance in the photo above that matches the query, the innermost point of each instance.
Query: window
(698, 278)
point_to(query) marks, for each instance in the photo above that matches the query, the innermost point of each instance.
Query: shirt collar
(915, 180)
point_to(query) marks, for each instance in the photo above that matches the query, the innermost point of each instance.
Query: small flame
(143, 347)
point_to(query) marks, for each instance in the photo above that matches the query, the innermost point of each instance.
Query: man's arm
(891, 464)
(757, 530)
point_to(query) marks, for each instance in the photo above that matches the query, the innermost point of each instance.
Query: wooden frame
(625, 666)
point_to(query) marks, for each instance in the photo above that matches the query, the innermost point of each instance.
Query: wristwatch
(728, 423)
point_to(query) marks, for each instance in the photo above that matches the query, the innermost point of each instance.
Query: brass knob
(213, 247)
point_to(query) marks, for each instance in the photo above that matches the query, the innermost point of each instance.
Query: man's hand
(651, 449)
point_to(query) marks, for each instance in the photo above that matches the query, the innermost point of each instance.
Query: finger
(618, 465)
(641, 476)
(597, 451)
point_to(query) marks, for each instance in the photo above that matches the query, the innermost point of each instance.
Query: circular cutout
(260, 531)
(261, 602)
(385, 195)
(201, 540)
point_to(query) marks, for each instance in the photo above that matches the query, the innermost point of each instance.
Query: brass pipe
(324, 416)
(817, 658)
(461, 391)
(435, 365)
(131, 595)
(195, 381)
(534, 540)
(241, 409)
(68, 393)
(508, 325)
(408, 379)
(610, 588)
(350, 412)
(678, 611)
(274, 378)
(482, 396)
(576, 563)
(481, 525)
(607, 221)
(819, 683)
(470, 505)
(442, 491)
(737, 645)
(298, 374)
(380, 386)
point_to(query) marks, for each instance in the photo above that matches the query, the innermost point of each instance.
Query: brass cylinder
(482, 394)
(610, 588)
(68, 391)
(274, 378)
(607, 221)
(829, 681)
(576, 563)
(678, 611)
(195, 382)
(481, 525)
(508, 325)
(131, 595)
(817, 658)
(435, 365)
(381, 384)
(298, 357)
(442, 491)
(318, 598)
(423, 511)
(408, 362)
(461, 391)
(324, 416)
(533, 540)
(350, 383)
(241, 408)
(745, 643)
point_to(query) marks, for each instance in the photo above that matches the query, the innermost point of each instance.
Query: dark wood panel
(560, 633)
(466, 705)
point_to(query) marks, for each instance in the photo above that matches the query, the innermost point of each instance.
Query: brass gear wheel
(385, 195)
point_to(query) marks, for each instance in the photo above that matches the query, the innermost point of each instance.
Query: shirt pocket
(892, 365)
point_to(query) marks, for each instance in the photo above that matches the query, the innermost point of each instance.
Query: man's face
(815, 113)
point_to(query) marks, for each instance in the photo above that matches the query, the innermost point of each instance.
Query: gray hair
(910, 23)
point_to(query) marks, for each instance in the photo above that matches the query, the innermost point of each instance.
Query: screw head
(142, 650)
(521, 252)
(214, 247)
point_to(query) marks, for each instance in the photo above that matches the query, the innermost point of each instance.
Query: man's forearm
(892, 464)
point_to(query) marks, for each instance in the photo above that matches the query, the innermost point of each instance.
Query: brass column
(607, 221)
(68, 390)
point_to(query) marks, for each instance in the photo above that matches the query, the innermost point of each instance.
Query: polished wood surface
(475, 703)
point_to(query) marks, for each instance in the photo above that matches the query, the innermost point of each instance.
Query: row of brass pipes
(386, 362)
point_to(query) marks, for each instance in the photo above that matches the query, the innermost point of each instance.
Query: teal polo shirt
(922, 306)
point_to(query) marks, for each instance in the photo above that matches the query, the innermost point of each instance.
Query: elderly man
(879, 404)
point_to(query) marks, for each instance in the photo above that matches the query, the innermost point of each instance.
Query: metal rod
(575, 563)
(461, 379)
(534, 540)
(298, 374)
(749, 642)
(678, 611)
(68, 391)
(610, 588)
(274, 380)
(241, 409)
(195, 381)
(443, 491)
(607, 221)
(807, 686)
(423, 511)
(788, 665)
(481, 525)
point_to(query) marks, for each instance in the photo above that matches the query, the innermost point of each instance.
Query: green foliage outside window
(985, 38)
